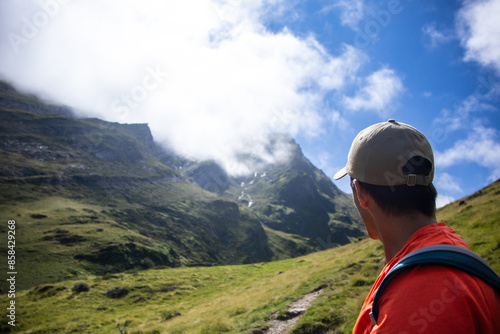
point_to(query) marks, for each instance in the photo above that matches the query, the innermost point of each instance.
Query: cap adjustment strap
(414, 179)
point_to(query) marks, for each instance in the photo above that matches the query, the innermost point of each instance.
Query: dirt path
(294, 313)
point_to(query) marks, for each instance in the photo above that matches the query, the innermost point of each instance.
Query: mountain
(298, 198)
(90, 196)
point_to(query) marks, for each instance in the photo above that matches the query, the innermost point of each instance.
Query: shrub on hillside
(117, 292)
(80, 287)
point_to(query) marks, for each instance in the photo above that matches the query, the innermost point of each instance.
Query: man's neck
(394, 231)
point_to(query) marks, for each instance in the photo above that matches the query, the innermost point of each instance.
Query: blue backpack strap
(447, 255)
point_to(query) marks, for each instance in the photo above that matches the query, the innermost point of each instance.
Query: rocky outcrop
(117, 258)
(209, 176)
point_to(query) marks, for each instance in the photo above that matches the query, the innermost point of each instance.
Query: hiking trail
(292, 314)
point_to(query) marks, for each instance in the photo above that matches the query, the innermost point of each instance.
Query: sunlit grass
(476, 220)
(232, 299)
(240, 298)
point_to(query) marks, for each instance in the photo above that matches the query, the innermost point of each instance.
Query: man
(391, 166)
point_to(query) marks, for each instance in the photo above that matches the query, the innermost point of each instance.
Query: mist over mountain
(95, 196)
(213, 84)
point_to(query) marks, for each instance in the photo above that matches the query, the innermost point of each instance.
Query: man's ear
(363, 196)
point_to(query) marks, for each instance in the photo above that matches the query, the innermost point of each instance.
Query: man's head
(395, 164)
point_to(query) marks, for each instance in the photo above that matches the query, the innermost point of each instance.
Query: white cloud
(478, 27)
(340, 122)
(443, 200)
(470, 110)
(351, 11)
(207, 76)
(482, 146)
(381, 88)
(446, 182)
(459, 116)
(448, 189)
(436, 37)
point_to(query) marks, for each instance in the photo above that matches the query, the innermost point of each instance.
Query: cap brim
(340, 174)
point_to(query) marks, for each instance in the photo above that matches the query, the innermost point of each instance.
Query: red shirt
(432, 298)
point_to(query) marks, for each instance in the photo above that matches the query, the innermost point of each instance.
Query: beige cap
(379, 152)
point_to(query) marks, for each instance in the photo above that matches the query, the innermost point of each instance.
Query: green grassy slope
(234, 299)
(476, 219)
(60, 234)
(240, 298)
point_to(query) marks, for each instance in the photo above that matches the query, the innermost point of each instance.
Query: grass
(46, 246)
(228, 299)
(239, 298)
(181, 222)
(284, 244)
(475, 218)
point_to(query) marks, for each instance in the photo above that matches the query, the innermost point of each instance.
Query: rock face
(209, 176)
(170, 211)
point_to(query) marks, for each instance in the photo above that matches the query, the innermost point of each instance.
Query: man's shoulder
(431, 294)
(443, 266)
(427, 278)
(433, 234)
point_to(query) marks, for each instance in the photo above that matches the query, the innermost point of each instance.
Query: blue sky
(214, 77)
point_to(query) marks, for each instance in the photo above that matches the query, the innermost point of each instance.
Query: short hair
(404, 199)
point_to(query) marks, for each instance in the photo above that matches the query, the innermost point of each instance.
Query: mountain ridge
(112, 199)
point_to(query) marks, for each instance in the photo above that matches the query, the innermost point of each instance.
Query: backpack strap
(447, 255)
